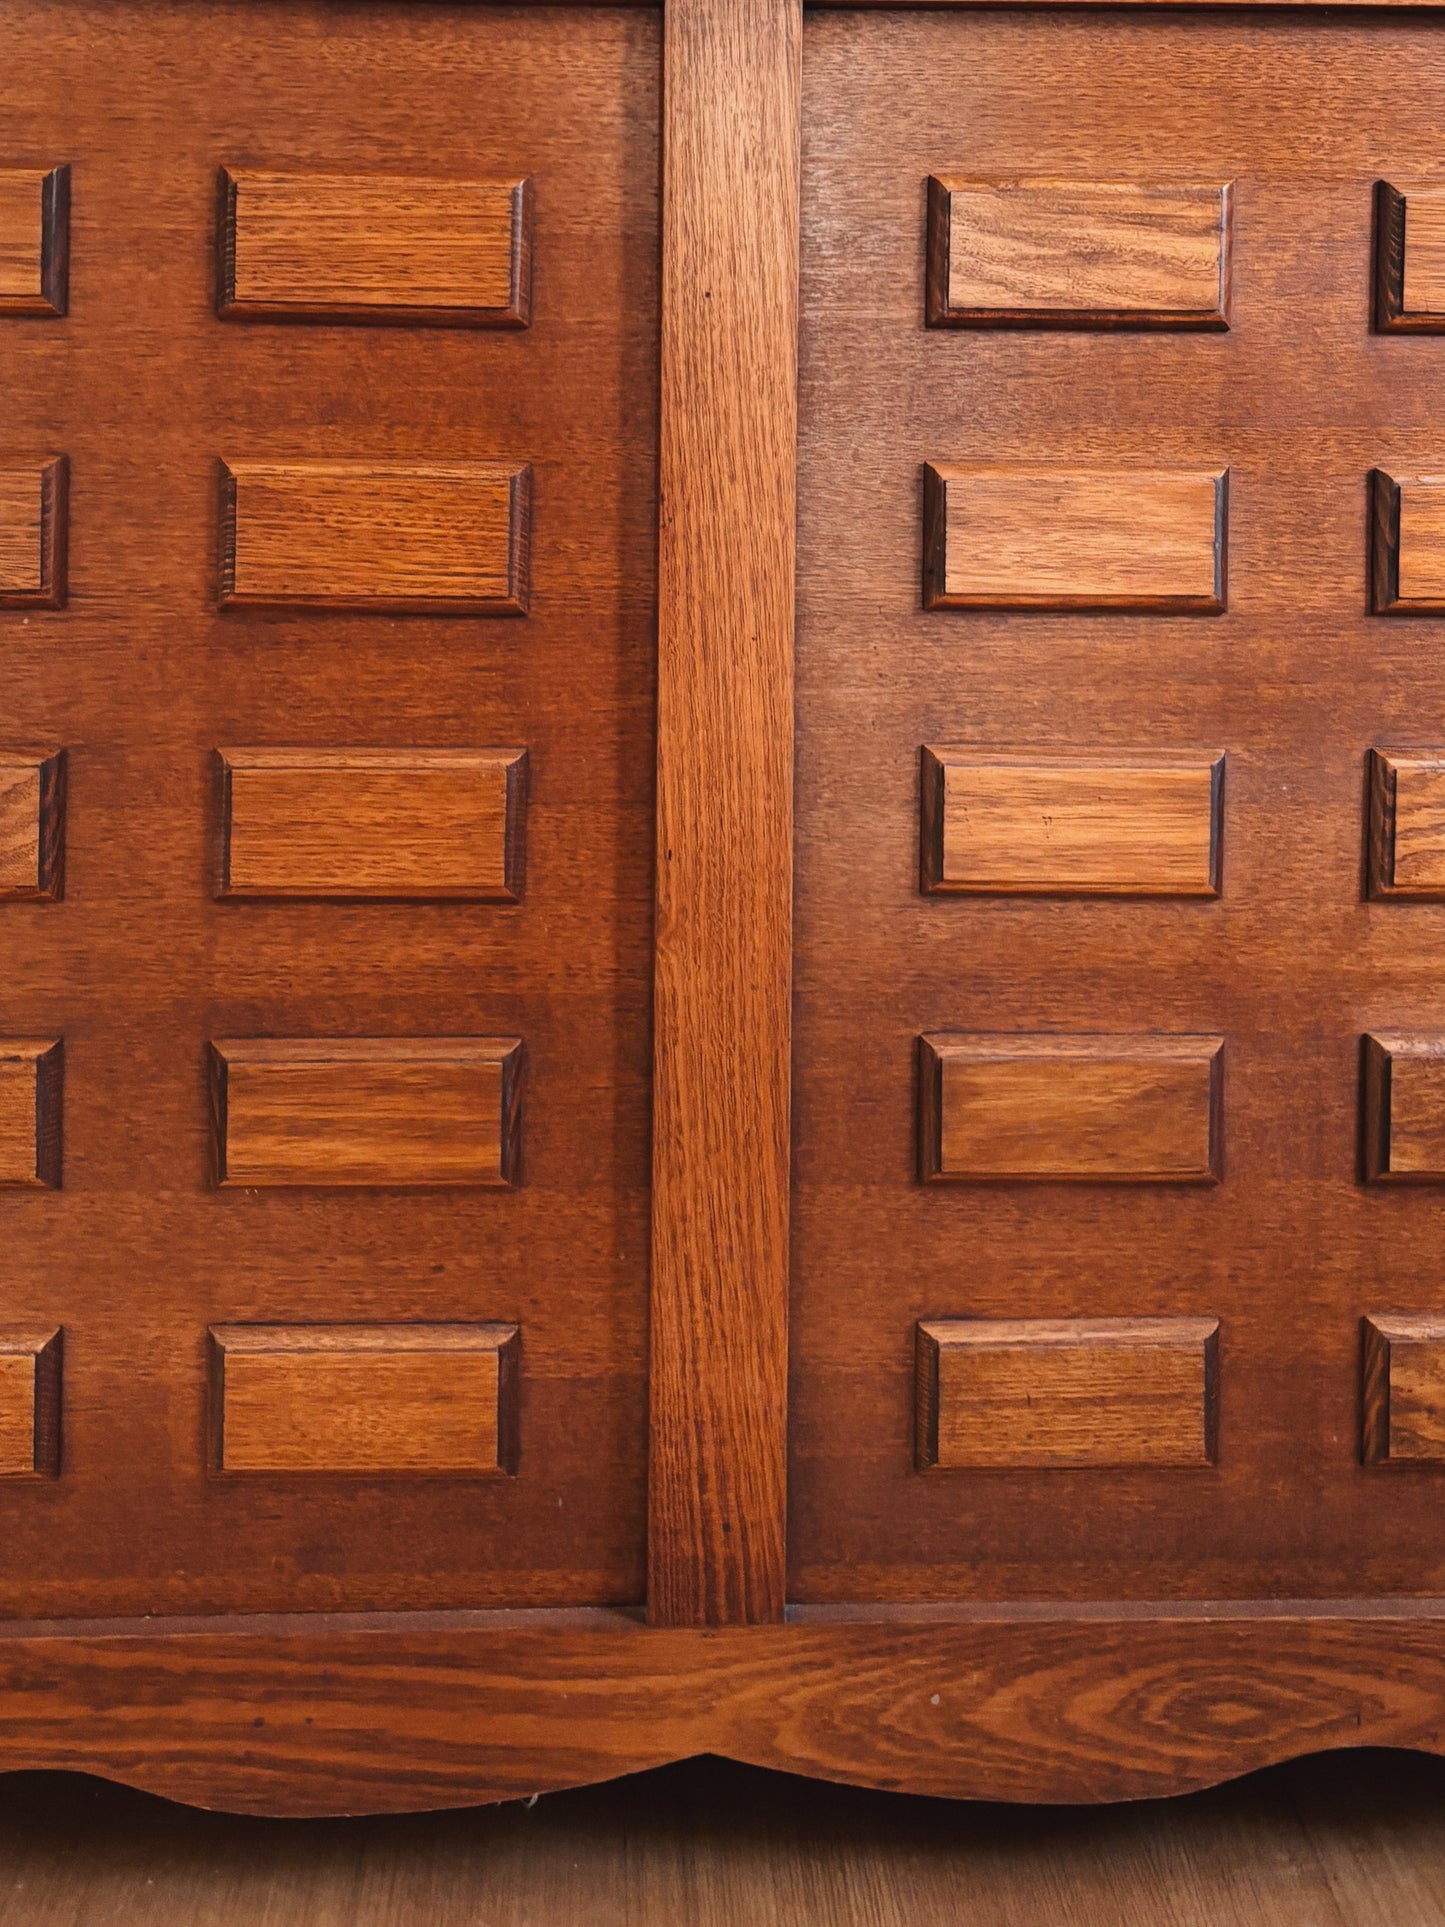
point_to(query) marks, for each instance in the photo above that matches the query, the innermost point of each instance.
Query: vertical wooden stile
(725, 768)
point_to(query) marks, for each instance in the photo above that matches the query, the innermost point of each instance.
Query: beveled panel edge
(938, 313)
(501, 1337)
(53, 300)
(927, 1356)
(517, 314)
(933, 809)
(47, 1059)
(516, 602)
(936, 597)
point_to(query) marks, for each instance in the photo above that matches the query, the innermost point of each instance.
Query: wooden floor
(1349, 1840)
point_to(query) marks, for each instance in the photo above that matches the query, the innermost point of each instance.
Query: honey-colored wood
(440, 537)
(1077, 254)
(372, 823)
(1403, 1389)
(34, 240)
(1407, 550)
(1061, 1392)
(30, 1113)
(364, 1400)
(33, 533)
(1085, 824)
(1041, 538)
(30, 1391)
(366, 1111)
(723, 979)
(374, 247)
(1404, 1109)
(1115, 1109)
(32, 825)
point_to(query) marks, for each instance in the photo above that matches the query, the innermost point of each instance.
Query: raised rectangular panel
(30, 1101)
(1077, 254)
(372, 823)
(373, 247)
(30, 1365)
(1407, 544)
(1035, 822)
(1074, 538)
(34, 239)
(445, 537)
(1406, 846)
(1410, 258)
(1034, 1393)
(1116, 1109)
(366, 1110)
(32, 808)
(1403, 1389)
(1404, 1109)
(32, 533)
(364, 1399)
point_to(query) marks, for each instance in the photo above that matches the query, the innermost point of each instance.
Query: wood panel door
(1121, 713)
(328, 344)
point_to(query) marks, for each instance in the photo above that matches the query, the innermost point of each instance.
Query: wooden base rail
(387, 1712)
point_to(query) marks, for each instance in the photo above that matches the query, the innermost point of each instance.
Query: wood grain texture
(1407, 544)
(1013, 1393)
(30, 1395)
(1403, 1389)
(1405, 848)
(374, 247)
(366, 1110)
(33, 497)
(372, 823)
(364, 1400)
(1031, 823)
(34, 240)
(1403, 1108)
(32, 825)
(30, 1113)
(1111, 1109)
(1077, 254)
(1040, 538)
(721, 1107)
(143, 678)
(328, 1713)
(425, 537)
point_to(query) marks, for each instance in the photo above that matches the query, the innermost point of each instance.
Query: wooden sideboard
(722, 893)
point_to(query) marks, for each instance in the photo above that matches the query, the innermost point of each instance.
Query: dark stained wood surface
(1295, 683)
(143, 679)
(720, 1254)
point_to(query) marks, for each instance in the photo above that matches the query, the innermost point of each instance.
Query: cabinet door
(327, 564)
(1118, 1087)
